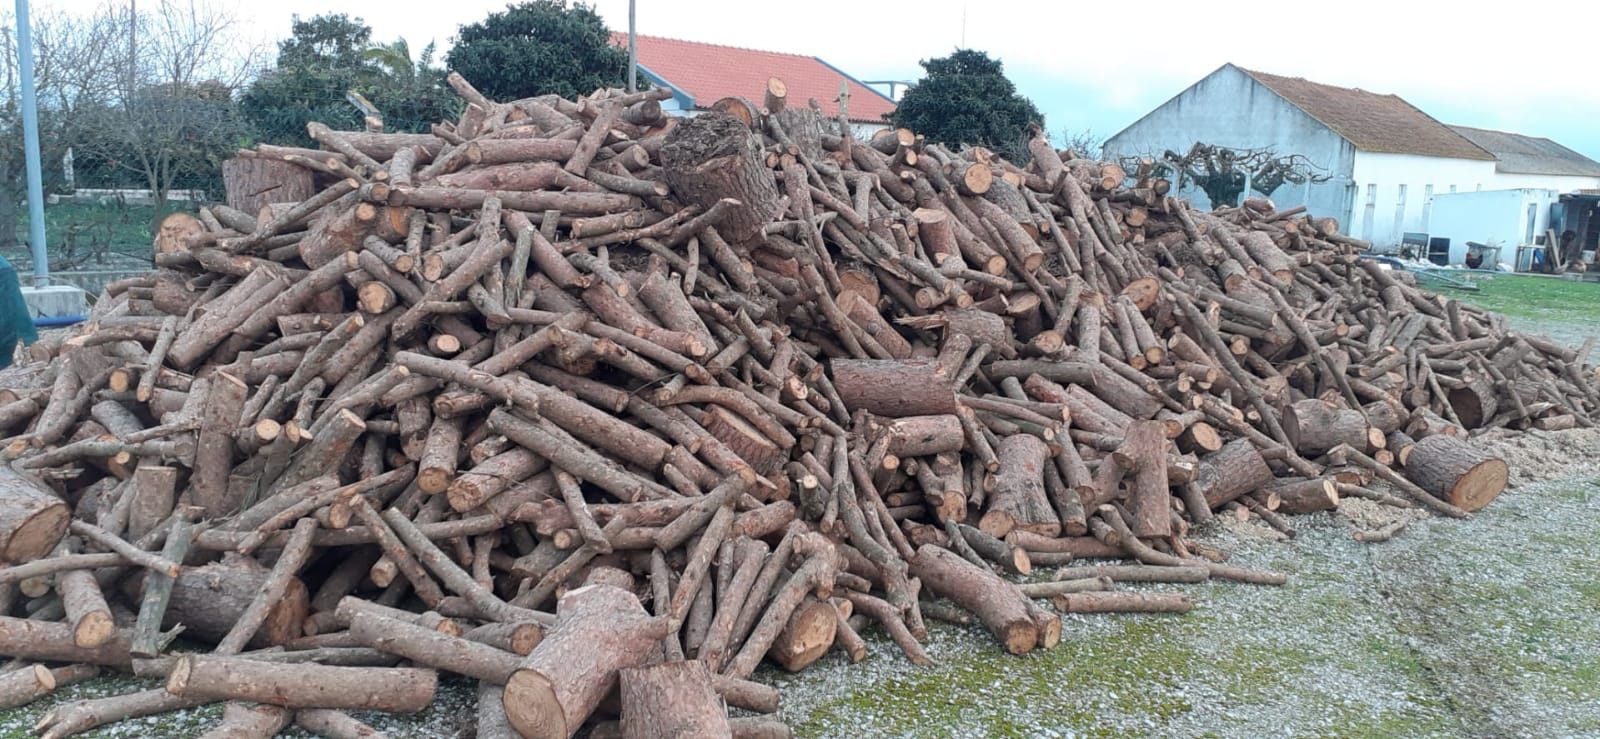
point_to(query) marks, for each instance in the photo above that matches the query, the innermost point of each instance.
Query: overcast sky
(1532, 69)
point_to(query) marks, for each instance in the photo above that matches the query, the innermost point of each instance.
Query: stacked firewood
(580, 400)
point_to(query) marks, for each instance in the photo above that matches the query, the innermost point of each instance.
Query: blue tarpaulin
(15, 323)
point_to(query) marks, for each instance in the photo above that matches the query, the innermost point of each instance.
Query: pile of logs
(603, 409)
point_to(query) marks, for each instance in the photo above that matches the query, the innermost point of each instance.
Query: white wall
(1559, 183)
(1493, 217)
(1378, 213)
(1229, 108)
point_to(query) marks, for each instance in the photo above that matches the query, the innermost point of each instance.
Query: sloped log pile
(565, 393)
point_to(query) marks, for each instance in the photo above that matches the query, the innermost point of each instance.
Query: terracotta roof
(708, 72)
(1518, 154)
(1370, 121)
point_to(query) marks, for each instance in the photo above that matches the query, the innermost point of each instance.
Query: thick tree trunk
(893, 387)
(712, 157)
(32, 519)
(1235, 469)
(1456, 472)
(1316, 426)
(1019, 488)
(997, 603)
(671, 699)
(252, 182)
(806, 636)
(602, 630)
(208, 600)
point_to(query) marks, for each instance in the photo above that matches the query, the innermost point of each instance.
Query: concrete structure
(1383, 157)
(1503, 218)
(54, 301)
(699, 74)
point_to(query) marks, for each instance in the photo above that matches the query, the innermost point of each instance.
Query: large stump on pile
(1457, 472)
(253, 182)
(714, 156)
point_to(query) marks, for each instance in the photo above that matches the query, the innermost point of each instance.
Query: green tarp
(16, 325)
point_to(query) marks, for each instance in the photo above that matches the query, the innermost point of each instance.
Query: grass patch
(89, 236)
(1567, 310)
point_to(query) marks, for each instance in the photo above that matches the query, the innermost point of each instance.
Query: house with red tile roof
(699, 74)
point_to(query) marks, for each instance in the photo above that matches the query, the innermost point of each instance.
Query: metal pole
(30, 142)
(633, 51)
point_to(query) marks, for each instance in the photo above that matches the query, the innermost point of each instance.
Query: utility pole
(30, 143)
(633, 51)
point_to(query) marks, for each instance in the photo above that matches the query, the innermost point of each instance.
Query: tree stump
(715, 156)
(1457, 472)
(251, 182)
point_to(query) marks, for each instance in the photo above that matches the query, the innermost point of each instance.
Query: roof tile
(1373, 122)
(709, 72)
(1519, 154)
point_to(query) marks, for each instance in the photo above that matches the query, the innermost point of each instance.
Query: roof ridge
(1504, 132)
(624, 35)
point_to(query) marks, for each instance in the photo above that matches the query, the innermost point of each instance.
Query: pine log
(32, 519)
(671, 699)
(392, 689)
(887, 387)
(1457, 472)
(601, 631)
(1234, 470)
(994, 601)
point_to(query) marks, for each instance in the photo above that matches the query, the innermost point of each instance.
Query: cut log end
(535, 712)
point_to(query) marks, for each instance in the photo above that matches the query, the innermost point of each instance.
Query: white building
(1385, 159)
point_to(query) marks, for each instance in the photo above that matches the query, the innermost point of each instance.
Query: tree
(172, 120)
(326, 57)
(537, 48)
(965, 98)
(1085, 143)
(1223, 173)
(74, 69)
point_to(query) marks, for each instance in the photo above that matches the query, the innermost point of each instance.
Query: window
(1371, 209)
(1427, 205)
(1533, 216)
(1452, 188)
(1400, 213)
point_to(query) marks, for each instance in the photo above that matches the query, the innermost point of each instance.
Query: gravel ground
(1483, 627)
